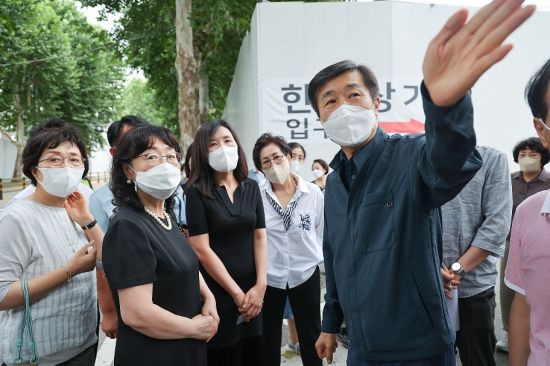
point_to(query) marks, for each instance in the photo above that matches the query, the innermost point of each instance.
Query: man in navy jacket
(382, 239)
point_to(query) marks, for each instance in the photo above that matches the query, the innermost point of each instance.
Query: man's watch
(457, 268)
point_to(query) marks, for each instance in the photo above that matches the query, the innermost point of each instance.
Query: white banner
(288, 112)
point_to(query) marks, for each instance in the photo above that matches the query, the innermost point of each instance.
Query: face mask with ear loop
(160, 181)
(350, 125)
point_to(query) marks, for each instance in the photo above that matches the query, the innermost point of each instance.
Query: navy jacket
(382, 239)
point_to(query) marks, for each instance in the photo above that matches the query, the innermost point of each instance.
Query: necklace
(159, 220)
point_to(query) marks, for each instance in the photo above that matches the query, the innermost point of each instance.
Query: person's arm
(15, 254)
(78, 211)
(138, 311)
(40, 286)
(254, 298)
(518, 332)
(209, 301)
(496, 208)
(455, 59)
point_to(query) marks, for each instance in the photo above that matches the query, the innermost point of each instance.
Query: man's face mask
(350, 125)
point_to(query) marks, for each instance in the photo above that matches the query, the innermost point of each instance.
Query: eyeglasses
(156, 158)
(266, 163)
(58, 160)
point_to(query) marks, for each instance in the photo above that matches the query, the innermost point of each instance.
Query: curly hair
(135, 142)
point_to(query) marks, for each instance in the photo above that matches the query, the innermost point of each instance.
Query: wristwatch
(89, 226)
(457, 268)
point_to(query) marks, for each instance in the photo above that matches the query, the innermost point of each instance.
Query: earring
(128, 181)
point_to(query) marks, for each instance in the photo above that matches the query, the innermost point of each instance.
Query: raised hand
(77, 208)
(461, 52)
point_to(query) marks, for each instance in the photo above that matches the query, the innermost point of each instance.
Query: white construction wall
(290, 42)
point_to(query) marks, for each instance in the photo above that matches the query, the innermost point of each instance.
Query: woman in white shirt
(46, 246)
(294, 222)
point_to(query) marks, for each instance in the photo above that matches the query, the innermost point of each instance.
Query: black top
(138, 251)
(231, 232)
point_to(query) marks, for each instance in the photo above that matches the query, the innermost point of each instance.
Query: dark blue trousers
(445, 359)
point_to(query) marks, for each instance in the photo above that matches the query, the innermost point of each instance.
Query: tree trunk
(187, 69)
(20, 111)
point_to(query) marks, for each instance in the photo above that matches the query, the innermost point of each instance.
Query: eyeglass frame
(177, 154)
(64, 159)
(274, 159)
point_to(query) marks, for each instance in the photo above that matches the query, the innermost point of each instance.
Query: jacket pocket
(374, 225)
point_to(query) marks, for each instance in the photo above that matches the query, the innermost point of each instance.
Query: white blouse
(293, 255)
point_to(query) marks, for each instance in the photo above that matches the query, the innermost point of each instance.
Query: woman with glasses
(48, 252)
(225, 216)
(166, 313)
(294, 222)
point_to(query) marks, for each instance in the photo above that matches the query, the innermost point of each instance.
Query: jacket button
(389, 204)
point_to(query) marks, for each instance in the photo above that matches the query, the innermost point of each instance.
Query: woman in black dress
(165, 310)
(226, 222)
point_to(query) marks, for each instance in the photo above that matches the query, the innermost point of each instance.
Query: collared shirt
(528, 270)
(293, 255)
(521, 189)
(479, 216)
(349, 168)
(102, 207)
(382, 237)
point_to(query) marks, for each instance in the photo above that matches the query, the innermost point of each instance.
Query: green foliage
(138, 99)
(147, 37)
(58, 64)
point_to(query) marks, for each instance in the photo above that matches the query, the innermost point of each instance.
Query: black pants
(476, 339)
(247, 352)
(305, 303)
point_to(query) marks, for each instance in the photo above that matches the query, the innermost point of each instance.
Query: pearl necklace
(159, 220)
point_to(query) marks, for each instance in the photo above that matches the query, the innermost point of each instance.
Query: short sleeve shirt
(138, 251)
(230, 227)
(528, 269)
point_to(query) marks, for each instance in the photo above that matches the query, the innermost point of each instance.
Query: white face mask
(318, 173)
(160, 181)
(278, 173)
(350, 125)
(296, 166)
(224, 158)
(528, 164)
(61, 182)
